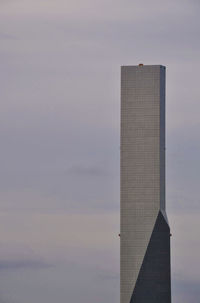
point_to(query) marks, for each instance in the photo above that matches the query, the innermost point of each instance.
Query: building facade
(144, 228)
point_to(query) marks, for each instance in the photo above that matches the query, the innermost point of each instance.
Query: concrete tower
(145, 233)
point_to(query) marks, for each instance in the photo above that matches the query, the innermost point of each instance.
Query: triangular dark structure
(153, 284)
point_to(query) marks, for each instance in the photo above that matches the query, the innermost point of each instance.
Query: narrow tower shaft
(145, 234)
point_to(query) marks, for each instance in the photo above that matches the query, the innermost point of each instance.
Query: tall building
(144, 230)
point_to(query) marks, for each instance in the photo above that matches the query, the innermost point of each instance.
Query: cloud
(4, 36)
(186, 291)
(84, 171)
(22, 264)
(74, 249)
(15, 256)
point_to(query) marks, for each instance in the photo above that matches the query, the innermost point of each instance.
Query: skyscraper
(144, 230)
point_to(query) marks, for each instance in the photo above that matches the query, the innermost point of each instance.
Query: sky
(59, 134)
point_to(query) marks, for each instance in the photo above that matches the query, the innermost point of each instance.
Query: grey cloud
(84, 171)
(4, 36)
(61, 284)
(185, 291)
(5, 299)
(16, 264)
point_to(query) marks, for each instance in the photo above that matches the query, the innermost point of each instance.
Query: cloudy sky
(59, 134)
